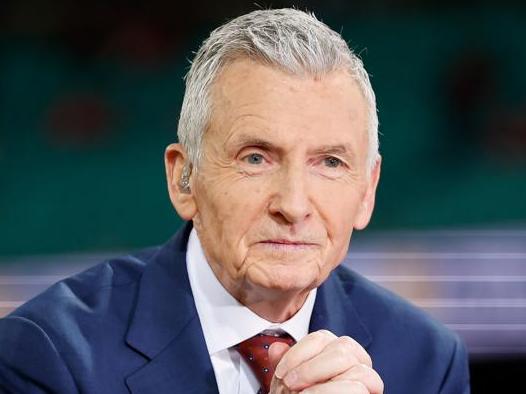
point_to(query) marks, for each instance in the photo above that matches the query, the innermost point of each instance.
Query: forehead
(252, 98)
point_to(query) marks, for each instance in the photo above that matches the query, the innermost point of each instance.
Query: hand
(323, 363)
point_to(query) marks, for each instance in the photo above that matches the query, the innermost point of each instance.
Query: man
(277, 164)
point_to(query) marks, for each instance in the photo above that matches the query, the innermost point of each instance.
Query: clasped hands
(323, 363)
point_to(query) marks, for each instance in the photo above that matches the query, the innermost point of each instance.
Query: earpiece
(184, 182)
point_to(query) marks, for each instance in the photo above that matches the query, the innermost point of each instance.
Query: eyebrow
(248, 140)
(343, 149)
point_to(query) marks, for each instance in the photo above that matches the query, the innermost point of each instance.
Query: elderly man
(277, 164)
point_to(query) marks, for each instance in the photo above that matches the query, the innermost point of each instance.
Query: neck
(274, 306)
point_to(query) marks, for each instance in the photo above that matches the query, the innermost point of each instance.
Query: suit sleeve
(30, 362)
(456, 380)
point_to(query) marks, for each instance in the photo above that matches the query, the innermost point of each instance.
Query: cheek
(339, 208)
(228, 211)
(214, 215)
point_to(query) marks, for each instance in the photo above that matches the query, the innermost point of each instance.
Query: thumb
(276, 352)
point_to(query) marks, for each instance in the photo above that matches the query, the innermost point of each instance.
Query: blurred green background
(90, 96)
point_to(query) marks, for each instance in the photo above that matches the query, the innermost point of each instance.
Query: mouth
(287, 244)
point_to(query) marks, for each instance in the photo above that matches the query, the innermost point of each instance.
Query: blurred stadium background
(89, 97)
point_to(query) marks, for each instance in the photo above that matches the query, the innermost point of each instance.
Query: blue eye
(332, 162)
(254, 158)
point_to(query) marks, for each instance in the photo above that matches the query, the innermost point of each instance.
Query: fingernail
(291, 379)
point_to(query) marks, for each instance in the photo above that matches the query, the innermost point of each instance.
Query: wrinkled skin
(281, 185)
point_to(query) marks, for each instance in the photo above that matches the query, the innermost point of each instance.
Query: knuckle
(347, 339)
(364, 373)
(324, 333)
(362, 369)
(301, 376)
(320, 336)
(348, 342)
(357, 349)
(359, 387)
(344, 356)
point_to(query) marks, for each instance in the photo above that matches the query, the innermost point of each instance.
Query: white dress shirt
(226, 322)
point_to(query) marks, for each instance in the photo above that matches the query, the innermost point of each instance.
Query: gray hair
(291, 40)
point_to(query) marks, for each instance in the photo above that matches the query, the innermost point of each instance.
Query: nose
(291, 202)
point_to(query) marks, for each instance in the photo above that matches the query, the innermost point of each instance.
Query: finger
(349, 344)
(366, 375)
(337, 357)
(337, 387)
(304, 350)
(276, 352)
(277, 387)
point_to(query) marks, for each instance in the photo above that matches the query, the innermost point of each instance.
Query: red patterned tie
(255, 352)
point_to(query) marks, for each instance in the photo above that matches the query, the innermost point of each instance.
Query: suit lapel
(334, 311)
(165, 328)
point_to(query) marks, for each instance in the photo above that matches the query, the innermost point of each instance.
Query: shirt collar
(224, 320)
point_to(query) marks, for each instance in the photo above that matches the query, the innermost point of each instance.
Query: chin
(282, 279)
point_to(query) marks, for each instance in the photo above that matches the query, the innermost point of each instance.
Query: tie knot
(255, 352)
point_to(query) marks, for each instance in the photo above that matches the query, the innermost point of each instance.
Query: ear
(175, 159)
(367, 206)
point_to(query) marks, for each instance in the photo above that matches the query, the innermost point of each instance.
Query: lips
(287, 242)
(288, 245)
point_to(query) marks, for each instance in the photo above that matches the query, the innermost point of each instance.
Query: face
(283, 178)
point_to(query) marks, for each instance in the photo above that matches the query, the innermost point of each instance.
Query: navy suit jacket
(130, 325)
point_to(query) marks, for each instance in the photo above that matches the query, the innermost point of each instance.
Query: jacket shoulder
(53, 340)
(381, 308)
(408, 345)
(88, 291)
